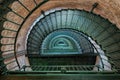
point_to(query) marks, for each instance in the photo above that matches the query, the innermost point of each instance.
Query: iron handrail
(24, 52)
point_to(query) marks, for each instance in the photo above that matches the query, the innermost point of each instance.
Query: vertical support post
(42, 12)
(94, 6)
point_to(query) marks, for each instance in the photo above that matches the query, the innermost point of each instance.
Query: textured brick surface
(13, 17)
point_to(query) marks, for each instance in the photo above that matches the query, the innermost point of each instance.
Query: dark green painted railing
(57, 68)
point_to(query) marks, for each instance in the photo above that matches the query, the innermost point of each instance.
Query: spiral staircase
(61, 44)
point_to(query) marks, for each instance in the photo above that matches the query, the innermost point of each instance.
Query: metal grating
(62, 68)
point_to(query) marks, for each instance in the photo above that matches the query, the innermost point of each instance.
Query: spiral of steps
(56, 30)
(74, 21)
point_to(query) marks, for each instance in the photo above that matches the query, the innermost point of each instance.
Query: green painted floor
(61, 76)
